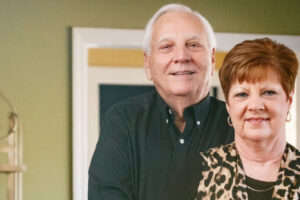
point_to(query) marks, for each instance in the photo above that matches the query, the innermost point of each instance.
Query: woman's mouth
(256, 120)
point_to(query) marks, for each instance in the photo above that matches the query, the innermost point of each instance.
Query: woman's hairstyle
(250, 61)
(181, 8)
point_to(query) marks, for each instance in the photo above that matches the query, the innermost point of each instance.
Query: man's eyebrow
(192, 37)
(164, 39)
(197, 37)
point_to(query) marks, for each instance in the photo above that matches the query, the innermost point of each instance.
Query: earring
(288, 117)
(229, 121)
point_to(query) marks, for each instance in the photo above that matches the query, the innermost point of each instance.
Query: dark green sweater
(140, 148)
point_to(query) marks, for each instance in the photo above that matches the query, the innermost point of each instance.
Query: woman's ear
(228, 107)
(291, 98)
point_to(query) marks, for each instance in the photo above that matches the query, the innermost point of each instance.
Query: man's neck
(178, 105)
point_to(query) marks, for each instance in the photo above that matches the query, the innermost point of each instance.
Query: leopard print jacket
(223, 176)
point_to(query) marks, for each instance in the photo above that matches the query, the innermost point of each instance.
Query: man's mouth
(182, 73)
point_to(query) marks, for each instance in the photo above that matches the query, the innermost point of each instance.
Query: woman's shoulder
(292, 149)
(292, 158)
(220, 154)
(218, 169)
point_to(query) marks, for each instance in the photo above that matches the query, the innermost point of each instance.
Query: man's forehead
(167, 38)
(176, 16)
(173, 19)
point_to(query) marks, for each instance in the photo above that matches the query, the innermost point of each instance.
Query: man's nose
(256, 103)
(182, 55)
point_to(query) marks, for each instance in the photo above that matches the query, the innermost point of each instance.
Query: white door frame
(84, 38)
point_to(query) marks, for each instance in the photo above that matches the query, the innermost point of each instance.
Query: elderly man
(146, 139)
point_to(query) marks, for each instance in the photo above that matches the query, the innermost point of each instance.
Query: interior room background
(36, 75)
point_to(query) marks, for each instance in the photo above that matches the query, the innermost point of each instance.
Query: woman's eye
(269, 92)
(241, 94)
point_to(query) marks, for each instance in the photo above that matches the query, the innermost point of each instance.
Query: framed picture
(108, 67)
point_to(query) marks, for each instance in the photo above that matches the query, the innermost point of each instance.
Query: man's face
(180, 62)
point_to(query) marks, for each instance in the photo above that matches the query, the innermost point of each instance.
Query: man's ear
(147, 66)
(213, 61)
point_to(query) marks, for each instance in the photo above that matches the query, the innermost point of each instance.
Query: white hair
(181, 8)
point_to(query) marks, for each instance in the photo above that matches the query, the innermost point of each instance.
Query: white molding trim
(84, 38)
(225, 41)
(79, 112)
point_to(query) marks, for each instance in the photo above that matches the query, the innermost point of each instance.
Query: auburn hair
(250, 61)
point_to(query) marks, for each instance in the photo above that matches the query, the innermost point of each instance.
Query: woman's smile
(257, 121)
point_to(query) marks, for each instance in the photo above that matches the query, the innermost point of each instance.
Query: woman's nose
(256, 102)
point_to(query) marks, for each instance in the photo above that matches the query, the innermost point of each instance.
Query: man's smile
(186, 72)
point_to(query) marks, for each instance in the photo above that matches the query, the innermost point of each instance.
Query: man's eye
(165, 46)
(194, 45)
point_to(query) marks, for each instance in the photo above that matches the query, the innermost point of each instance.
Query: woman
(257, 78)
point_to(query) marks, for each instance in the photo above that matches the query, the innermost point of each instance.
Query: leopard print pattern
(223, 176)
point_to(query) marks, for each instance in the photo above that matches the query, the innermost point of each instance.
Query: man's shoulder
(134, 104)
(217, 104)
(217, 111)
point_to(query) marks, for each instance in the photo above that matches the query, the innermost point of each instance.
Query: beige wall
(35, 67)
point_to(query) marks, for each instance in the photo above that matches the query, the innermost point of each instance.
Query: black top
(259, 190)
(140, 147)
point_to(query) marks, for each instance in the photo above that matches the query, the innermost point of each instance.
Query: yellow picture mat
(117, 57)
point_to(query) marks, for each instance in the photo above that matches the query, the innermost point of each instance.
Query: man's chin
(182, 92)
(179, 90)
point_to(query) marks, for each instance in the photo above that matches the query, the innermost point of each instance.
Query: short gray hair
(181, 8)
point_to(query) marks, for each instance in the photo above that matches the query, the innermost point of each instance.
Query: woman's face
(258, 110)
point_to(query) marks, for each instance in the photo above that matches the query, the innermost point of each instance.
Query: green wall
(35, 67)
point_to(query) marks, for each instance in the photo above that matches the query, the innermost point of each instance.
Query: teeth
(182, 73)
